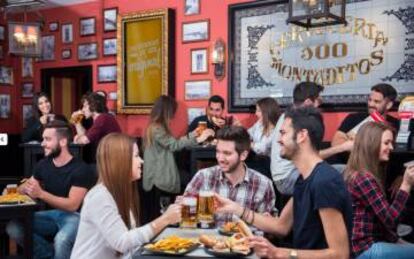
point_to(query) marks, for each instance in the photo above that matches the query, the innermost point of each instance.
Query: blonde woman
(109, 224)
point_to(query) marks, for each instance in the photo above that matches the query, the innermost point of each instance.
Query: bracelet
(244, 211)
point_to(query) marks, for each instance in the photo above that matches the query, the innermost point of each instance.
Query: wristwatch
(293, 254)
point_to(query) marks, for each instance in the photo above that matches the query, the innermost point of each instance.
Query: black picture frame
(87, 51)
(109, 23)
(87, 26)
(53, 26)
(66, 54)
(110, 70)
(109, 47)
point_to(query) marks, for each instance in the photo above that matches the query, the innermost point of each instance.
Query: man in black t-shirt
(381, 99)
(320, 211)
(214, 109)
(61, 181)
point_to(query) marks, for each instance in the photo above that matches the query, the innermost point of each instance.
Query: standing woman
(161, 176)
(109, 223)
(375, 220)
(262, 132)
(42, 114)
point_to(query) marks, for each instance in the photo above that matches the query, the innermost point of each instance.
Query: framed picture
(5, 106)
(196, 31)
(193, 113)
(6, 75)
(53, 26)
(67, 33)
(27, 89)
(197, 90)
(110, 16)
(27, 67)
(48, 48)
(2, 32)
(112, 96)
(199, 61)
(27, 112)
(87, 26)
(88, 51)
(147, 71)
(192, 7)
(15, 47)
(66, 53)
(109, 47)
(106, 73)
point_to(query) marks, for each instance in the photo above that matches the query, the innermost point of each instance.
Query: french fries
(171, 244)
(14, 198)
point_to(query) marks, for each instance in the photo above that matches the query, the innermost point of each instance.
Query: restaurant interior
(133, 52)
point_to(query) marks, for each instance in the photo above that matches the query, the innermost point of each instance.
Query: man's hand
(33, 188)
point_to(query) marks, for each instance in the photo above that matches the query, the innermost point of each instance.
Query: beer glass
(206, 208)
(202, 125)
(189, 212)
(11, 188)
(77, 119)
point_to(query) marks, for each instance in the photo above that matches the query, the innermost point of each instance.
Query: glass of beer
(206, 208)
(202, 125)
(77, 119)
(11, 188)
(189, 212)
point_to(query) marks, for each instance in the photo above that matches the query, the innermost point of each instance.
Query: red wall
(214, 10)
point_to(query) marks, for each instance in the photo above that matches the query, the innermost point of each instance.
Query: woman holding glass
(42, 114)
(375, 220)
(161, 179)
(109, 223)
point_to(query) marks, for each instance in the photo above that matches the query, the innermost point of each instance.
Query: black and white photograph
(27, 112)
(110, 19)
(27, 89)
(197, 90)
(67, 33)
(192, 7)
(48, 48)
(5, 106)
(113, 96)
(196, 31)
(107, 73)
(193, 113)
(66, 53)
(2, 32)
(6, 75)
(87, 26)
(88, 51)
(27, 67)
(109, 47)
(199, 61)
(53, 26)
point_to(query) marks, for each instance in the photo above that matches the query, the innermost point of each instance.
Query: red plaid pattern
(374, 219)
(254, 192)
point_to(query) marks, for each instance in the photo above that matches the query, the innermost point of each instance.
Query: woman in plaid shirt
(375, 220)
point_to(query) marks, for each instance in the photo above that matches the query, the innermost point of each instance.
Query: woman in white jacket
(109, 224)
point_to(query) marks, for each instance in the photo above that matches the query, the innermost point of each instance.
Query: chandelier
(316, 13)
(26, 35)
(24, 39)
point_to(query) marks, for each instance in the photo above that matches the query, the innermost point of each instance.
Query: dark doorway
(66, 86)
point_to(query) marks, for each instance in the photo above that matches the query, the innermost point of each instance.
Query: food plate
(172, 245)
(13, 199)
(230, 254)
(225, 232)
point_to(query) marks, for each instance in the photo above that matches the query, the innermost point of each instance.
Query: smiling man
(231, 178)
(61, 181)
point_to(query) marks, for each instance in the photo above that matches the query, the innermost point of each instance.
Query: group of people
(334, 211)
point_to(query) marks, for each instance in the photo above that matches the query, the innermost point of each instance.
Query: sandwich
(243, 228)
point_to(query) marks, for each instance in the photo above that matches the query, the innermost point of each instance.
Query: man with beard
(231, 178)
(61, 182)
(320, 212)
(381, 100)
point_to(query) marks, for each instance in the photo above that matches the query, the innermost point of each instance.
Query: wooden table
(187, 233)
(33, 150)
(24, 213)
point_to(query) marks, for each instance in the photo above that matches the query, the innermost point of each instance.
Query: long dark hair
(36, 112)
(364, 156)
(162, 112)
(270, 113)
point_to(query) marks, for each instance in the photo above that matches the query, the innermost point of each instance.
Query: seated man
(61, 181)
(231, 178)
(214, 115)
(320, 211)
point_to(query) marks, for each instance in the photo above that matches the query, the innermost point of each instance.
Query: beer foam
(190, 201)
(206, 193)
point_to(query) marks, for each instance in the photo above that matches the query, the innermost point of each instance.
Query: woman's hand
(43, 119)
(173, 214)
(224, 205)
(408, 179)
(264, 249)
(205, 135)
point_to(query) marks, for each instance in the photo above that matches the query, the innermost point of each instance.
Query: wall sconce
(218, 56)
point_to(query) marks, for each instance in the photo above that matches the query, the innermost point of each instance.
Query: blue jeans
(54, 233)
(382, 250)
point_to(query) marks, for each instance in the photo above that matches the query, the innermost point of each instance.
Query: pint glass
(206, 209)
(189, 212)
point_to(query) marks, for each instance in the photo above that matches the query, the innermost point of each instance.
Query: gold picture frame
(145, 59)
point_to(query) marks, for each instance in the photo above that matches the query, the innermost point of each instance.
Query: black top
(324, 188)
(59, 180)
(194, 123)
(34, 128)
(354, 119)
